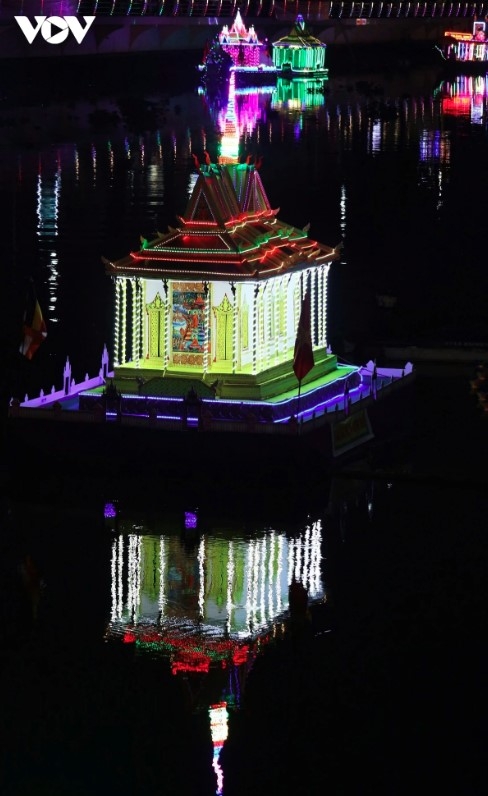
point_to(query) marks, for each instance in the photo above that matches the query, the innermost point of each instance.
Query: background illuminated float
(464, 95)
(298, 95)
(237, 49)
(467, 50)
(299, 53)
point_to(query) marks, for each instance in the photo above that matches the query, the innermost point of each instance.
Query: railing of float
(349, 393)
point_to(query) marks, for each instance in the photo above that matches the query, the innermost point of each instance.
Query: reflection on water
(214, 590)
(219, 729)
(208, 601)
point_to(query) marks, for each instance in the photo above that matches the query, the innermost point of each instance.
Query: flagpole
(298, 399)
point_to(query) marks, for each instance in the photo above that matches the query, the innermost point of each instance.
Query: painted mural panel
(188, 332)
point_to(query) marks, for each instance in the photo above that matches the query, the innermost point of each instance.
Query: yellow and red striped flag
(34, 330)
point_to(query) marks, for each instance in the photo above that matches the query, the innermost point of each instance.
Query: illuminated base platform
(254, 76)
(276, 383)
(245, 76)
(178, 432)
(303, 74)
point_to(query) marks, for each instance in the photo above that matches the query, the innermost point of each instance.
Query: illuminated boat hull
(88, 451)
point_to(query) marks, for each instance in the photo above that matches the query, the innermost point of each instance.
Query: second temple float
(239, 50)
(466, 51)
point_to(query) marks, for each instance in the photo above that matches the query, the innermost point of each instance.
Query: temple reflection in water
(225, 589)
(208, 602)
(465, 96)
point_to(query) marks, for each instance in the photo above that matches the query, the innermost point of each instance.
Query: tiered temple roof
(229, 231)
(299, 36)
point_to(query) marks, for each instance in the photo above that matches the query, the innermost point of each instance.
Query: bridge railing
(179, 8)
(399, 9)
(310, 9)
(279, 9)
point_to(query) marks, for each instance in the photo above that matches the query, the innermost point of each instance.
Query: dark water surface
(383, 689)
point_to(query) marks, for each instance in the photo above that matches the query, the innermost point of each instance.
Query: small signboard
(352, 431)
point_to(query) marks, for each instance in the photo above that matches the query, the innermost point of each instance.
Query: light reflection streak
(47, 208)
(94, 164)
(230, 586)
(162, 574)
(219, 732)
(120, 595)
(201, 575)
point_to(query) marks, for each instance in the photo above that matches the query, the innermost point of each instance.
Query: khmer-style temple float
(221, 360)
(299, 53)
(466, 51)
(237, 49)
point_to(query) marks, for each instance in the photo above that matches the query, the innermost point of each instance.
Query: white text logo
(55, 30)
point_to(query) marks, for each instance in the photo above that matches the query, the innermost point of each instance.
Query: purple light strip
(337, 399)
(139, 397)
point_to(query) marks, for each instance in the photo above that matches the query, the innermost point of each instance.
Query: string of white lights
(206, 346)
(135, 326)
(124, 321)
(162, 573)
(310, 280)
(113, 581)
(117, 322)
(144, 328)
(271, 563)
(230, 585)
(201, 577)
(234, 331)
(262, 579)
(120, 590)
(255, 331)
(167, 329)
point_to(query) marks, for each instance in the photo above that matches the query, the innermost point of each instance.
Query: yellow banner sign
(351, 432)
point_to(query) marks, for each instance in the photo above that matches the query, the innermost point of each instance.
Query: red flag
(303, 360)
(34, 327)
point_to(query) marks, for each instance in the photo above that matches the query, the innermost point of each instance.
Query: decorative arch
(156, 327)
(224, 319)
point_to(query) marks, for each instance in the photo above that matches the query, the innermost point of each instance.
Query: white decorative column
(136, 337)
(118, 296)
(124, 322)
(311, 281)
(144, 322)
(206, 344)
(234, 327)
(255, 330)
(167, 324)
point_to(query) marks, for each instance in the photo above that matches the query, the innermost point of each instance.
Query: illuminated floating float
(237, 49)
(467, 51)
(298, 95)
(299, 53)
(220, 350)
(465, 96)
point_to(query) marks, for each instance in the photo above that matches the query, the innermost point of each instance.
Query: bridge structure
(312, 10)
(126, 26)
